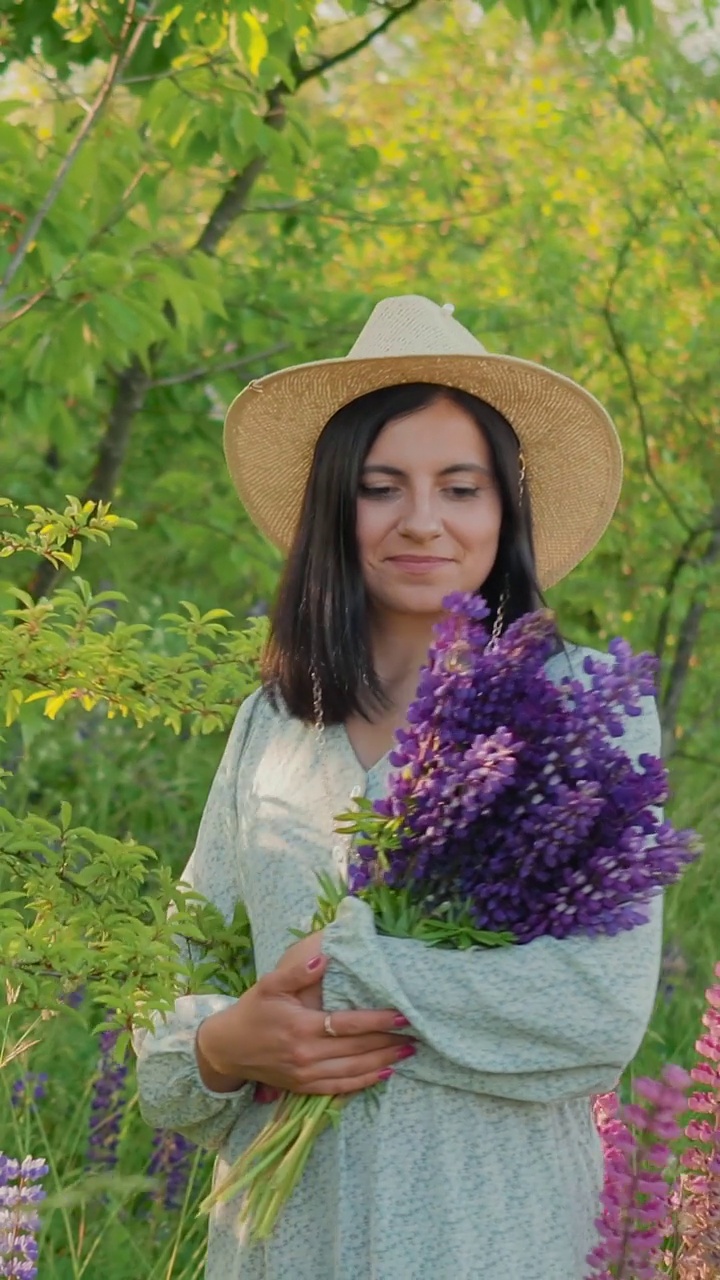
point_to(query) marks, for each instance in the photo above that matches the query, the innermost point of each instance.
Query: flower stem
(265, 1204)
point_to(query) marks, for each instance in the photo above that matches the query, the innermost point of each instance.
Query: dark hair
(320, 616)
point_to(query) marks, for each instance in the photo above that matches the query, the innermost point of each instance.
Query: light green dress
(482, 1161)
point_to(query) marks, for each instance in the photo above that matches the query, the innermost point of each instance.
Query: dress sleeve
(541, 1022)
(172, 1094)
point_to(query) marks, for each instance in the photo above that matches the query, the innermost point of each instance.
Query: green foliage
(80, 908)
(49, 533)
(400, 915)
(74, 33)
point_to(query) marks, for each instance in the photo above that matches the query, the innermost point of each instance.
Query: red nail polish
(315, 962)
(407, 1051)
(386, 1074)
(266, 1093)
(401, 1021)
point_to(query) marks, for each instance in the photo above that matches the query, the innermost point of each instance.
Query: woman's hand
(275, 1034)
(301, 953)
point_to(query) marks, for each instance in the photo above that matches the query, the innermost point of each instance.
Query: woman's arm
(172, 1092)
(535, 1023)
(538, 1022)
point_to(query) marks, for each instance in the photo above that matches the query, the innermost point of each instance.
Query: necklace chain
(499, 622)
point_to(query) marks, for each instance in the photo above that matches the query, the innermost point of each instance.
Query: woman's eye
(387, 491)
(376, 491)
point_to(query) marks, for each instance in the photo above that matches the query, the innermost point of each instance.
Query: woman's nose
(420, 519)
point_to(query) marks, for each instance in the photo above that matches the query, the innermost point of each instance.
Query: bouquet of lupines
(513, 813)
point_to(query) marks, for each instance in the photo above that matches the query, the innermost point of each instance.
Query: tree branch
(620, 349)
(233, 200)
(670, 703)
(29, 303)
(334, 60)
(115, 66)
(681, 561)
(131, 391)
(374, 220)
(217, 60)
(209, 371)
(688, 633)
(654, 137)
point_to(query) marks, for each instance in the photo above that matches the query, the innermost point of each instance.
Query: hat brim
(571, 448)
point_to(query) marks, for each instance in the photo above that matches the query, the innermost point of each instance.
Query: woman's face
(428, 510)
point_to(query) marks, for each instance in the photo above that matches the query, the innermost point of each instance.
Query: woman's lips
(418, 564)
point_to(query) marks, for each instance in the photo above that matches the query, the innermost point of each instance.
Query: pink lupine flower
(636, 1201)
(699, 1200)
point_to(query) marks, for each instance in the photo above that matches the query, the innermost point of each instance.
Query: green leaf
(248, 35)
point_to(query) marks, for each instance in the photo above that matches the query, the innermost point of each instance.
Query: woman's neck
(400, 647)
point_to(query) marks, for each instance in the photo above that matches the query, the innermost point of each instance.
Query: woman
(393, 477)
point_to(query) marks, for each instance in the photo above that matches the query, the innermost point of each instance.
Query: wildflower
(699, 1198)
(19, 1221)
(674, 970)
(636, 1201)
(107, 1105)
(73, 999)
(29, 1088)
(170, 1162)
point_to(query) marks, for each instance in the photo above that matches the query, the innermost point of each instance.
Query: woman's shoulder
(641, 729)
(259, 711)
(256, 723)
(569, 661)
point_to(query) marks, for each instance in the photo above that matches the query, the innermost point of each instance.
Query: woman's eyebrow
(386, 470)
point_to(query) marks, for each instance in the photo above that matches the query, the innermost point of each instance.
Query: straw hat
(572, 452)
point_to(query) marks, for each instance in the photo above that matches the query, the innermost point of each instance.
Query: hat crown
(413, 326)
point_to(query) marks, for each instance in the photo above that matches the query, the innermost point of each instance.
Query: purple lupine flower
(170, 1163)
(29, 1088)
(19, 1221)
(74, 999)
(513, 794)
(107, 1105)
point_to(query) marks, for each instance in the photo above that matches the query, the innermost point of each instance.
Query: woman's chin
(418, 602)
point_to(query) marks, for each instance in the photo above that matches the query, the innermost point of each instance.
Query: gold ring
(328, 1026)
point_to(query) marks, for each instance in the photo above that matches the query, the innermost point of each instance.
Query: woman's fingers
(294, 974)
(362, 1022)
(352, 1067)
(350, 1075)
(333, 1047)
